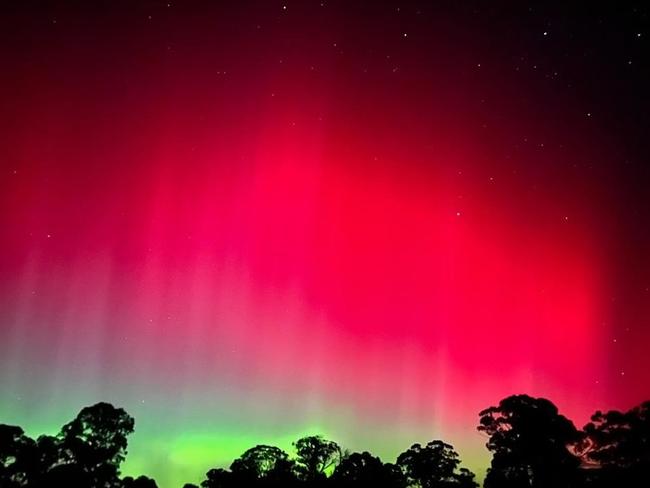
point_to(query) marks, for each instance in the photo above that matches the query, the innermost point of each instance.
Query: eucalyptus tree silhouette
(49, 454)
(619, 445)
(314, 457)
(218, 478)
(533, 446)
(139, 482)
(96, 441)
(69, 475)
(434, 466)
(18, 456)
(86, 453)
(264, 465)
(364, 469)
(529, 440)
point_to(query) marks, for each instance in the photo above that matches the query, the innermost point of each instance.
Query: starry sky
(249, 221)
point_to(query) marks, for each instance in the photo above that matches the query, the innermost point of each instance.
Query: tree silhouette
(434, 466)
(218, 478)
(529, 439)
(49, 452)
(533, 446)
(364, 469)
(619, 444)
(139, 482)
(96, 441)
(264, 465)
(315, 456)
(18, 456)
(69, 475)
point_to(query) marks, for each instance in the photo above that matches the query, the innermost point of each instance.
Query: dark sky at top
(453, 192)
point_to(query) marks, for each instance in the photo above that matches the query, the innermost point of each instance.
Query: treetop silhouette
(532, 446)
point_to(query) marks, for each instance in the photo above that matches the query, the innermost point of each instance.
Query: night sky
(248, 221)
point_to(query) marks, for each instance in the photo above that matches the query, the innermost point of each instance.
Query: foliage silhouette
(434, 466)
(533, 446)
(364, 469)
(529, 440)
(139, 482)
(315, 456)
(263, 465)
(218, 478)
(96, 440)
(619, 444)
(17, 456)
(87, 452)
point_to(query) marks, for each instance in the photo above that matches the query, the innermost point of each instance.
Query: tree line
(532, 446)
